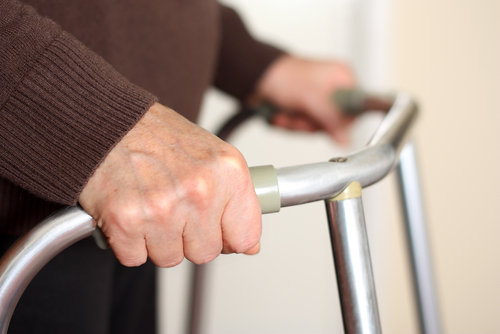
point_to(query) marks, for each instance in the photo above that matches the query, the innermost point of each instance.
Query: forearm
(242, 59)
(62, 107)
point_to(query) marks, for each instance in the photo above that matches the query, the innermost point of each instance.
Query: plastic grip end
(266, 187)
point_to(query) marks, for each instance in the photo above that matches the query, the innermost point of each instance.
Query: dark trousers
(86, 290)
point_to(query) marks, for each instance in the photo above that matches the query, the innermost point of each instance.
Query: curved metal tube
(320, 181)
(30, 253)
(297, 185)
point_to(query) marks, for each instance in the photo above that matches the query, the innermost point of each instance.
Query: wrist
(275, 77)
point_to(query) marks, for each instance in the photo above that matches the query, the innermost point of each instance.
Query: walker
(338, 182)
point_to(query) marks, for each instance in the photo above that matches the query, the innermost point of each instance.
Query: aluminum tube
(353, 266)
(394, 128)
(195, 310)
(416, 231)
(320, 181)
(30, 253)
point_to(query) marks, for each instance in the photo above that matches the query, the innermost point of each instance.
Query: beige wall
(447, 53)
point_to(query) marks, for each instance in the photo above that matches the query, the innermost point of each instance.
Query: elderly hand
(302, 89)
(169, 190)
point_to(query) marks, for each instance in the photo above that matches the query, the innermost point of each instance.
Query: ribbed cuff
(64, 117)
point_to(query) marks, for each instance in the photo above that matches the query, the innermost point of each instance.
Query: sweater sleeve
(242, 59)
(62, 108)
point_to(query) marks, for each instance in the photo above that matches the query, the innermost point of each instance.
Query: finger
(304, 124)
(255, 250)
(164, 239)
(165, 247)
(202, 245)
(281, 119)
(295, 121)
(323, 113)
(342, 133)
(332, 121)
(129, 245)
(202, 235)
(242, 221)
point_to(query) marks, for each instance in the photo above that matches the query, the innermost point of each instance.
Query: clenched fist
(169, 190)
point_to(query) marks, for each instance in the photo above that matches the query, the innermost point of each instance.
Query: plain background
(447, 55)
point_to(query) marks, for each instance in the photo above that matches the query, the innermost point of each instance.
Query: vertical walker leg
(423, 279)
(197, 292)
(352, 262)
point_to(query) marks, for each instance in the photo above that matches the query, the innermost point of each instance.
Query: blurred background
(447, 55)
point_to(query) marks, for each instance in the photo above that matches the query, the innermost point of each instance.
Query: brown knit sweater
(70, 73)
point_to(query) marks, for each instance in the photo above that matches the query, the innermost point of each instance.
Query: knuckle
(126, 216)
(235, 169)
(198, 188)
(131, 218)
(199, 191)
(232, 160)
(126, 226)
(158, 205)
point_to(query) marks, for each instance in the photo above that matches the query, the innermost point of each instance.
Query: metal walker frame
(338, 182)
